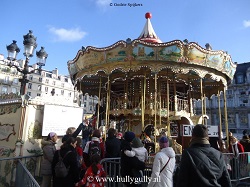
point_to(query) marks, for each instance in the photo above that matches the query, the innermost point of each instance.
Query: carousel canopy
(121, 67)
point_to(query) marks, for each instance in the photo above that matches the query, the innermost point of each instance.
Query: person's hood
(168, 151)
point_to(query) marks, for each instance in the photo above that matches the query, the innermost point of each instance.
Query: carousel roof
(148, 34)
(179, 62)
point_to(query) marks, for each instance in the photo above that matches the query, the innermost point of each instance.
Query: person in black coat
(112, 144)
(201, 165)
(86, 133)
(129, 165)
(70, 162)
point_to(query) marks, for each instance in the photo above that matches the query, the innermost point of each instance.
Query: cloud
(103, 3)
(67, 35)
(246, 23)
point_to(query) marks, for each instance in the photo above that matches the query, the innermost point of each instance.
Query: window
(14, 90)
(38, 94)
(46, 89)
(30, 86)
(6, 79)
(47, 81)
(84, 104)
(240, 79)
(54, 83)
(40, 79)
(62, 92)
(49, 75)
(39, 87)
(29, 93)
(69, 94)
(31, 77)
(15, 81)
(229, 92)
(4, 90)
(66, 79)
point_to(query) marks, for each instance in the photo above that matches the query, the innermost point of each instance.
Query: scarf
(235, 149)
(196, 140)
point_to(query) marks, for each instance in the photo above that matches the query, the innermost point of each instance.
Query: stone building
(238, 103)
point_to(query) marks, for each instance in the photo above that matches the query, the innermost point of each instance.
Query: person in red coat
(95, 174)
(235, 146)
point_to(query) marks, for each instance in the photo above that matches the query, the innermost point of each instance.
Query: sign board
(174, 131)
(59, 118)
(187, 130)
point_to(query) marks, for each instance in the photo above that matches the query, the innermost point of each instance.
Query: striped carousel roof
(148, 34)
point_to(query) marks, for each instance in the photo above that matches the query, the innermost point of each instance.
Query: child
(94, 176)
(138, 150)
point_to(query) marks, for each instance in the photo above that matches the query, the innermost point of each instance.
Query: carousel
(148, 86)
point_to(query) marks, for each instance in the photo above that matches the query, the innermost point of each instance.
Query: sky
(64, 26)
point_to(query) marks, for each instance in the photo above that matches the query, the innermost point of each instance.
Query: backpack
(94, 148)
(60, 169)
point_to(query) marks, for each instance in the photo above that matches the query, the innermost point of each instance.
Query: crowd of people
(200, 165)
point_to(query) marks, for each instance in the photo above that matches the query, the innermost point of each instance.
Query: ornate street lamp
(29, 42)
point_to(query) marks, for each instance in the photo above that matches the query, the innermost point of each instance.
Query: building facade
(238, 103)
(42, 84)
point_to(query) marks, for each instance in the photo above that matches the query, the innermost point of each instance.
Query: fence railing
(25, 171)
(24, 177)
(20, 168)
(238, 167)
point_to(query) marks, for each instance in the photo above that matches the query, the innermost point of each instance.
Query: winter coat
(141, 153)
(203, 166)
(86, 131)
(236, 148)
(246, 144)
(86, 150)
(129, 165)
(113, 146)
(164, 178)
(70, 161)
(49, 150)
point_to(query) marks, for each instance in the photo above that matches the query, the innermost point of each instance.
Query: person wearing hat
(49, 149)
(163, 166)
(202, 165)
(129, 165)
(138, 150)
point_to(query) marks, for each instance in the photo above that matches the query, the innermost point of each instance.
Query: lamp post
(29, 42)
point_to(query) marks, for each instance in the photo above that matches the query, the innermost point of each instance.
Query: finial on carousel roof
(148, 33)
(208, 46)
(185, 41)
(128, 41)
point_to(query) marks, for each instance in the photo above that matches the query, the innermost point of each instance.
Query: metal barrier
(11, 169)
(24, 177)
(238, 167)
